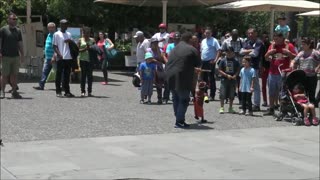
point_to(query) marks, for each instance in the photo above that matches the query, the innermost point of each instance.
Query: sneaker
(141, 101)
(221, 111)
(178, 125)
(38, 88)
(2, 95)
(159, 101)
(270, 112)
(315, 121)
(265, 104)
(231, 110)
(68, 95)
(185, 125)
(306, 121)
(255, 108)
(242, 112)
(83, 94)
(16, 95)
(149, 102)
(90, 95)
(206, 99)
(59, 95)
(196, 117)
(104, 83)
(250, 113)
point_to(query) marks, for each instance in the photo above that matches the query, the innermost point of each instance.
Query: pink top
(100, 44)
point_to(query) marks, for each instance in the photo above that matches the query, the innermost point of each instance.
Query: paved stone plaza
(112, 136)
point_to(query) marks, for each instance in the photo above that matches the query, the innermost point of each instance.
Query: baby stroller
(288, 108)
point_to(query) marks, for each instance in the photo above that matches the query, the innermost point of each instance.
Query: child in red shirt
(300, 98)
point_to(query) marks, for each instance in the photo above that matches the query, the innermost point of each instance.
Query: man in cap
(61, 40)
(142, 46)
(162, 36)
(176, 40)
(11, 48)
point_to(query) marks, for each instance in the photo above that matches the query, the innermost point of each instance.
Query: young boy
(247, 75)
(229, 69)
(283, 28)
(147, 71)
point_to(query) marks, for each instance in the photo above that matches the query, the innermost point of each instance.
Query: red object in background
(198, 104)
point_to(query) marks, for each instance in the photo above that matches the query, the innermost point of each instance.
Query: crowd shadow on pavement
(200, 126)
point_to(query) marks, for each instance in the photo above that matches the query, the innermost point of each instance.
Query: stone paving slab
(258, 153)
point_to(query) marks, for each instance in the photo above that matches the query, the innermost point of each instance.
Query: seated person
(301, 99)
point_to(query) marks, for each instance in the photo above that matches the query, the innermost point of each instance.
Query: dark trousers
(47, 66)
(246, 101)
(64, 66)
(86, 75)
(104, 69)
(180, 104)
(166, 92)
(209, 77)
(311, 86)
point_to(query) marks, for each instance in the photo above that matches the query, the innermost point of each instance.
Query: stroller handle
(284, 70)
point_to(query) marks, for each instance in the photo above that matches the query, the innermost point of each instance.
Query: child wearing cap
(229, 69)
(147, 70)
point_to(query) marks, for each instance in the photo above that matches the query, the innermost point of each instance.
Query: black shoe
(270, 112)
(38, 88)
(90, 95)
(16, 95)
(68, 95)
(203, 121)
(185, 125)
(159, 101)
(196, 117)
(255, 108)
(179, 125)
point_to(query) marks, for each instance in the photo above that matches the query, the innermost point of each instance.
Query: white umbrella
(269, 5)
(310, 13)
(165, 4)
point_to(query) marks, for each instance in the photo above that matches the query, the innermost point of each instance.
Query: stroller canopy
(296, 77)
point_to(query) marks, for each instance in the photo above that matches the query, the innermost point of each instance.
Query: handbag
(111, 54)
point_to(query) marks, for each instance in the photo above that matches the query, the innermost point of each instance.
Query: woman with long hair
(105, 44)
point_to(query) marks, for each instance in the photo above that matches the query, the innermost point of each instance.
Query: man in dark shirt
(252, 47)
(11, 48)
(265, 67)
(182, 64)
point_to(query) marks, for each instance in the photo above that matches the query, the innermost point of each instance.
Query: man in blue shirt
(210, 52)
(252, 48)
(49, 56)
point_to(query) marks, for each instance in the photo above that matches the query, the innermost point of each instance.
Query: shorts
(227, 88)
(274, 84)
(10, 65)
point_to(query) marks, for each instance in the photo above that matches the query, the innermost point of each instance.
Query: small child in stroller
(301, 99)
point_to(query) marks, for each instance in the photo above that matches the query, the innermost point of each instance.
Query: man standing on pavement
(180, 71)
(61, 40)
(142, 46)
(162, 36)
(236, 43)
(210, 52)
(49, 56)
(11, 48)
(252, 47)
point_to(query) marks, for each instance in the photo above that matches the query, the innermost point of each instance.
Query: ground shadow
(23, 98)
(199, 126)
(129, 74)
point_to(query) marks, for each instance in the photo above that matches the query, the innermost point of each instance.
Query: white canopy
(310, 13)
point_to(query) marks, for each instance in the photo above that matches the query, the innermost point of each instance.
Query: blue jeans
(256, 89)
(45, 72)
(180, 104)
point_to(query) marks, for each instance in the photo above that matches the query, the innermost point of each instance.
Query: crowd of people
(184, 65)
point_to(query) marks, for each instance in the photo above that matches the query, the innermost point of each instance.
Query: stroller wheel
(296, 121)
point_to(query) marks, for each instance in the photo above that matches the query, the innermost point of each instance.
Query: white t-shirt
(58, 40)
(161, 36)
(142, 49)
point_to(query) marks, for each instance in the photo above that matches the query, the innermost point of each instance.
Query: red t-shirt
(100, 44)
(279, 58)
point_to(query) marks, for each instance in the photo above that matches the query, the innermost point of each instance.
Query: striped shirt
(49, 47)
